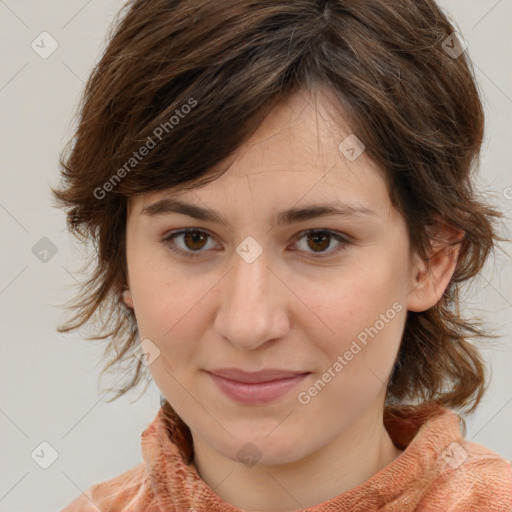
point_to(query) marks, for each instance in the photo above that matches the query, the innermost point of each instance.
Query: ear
(430, 279)
(127, 297)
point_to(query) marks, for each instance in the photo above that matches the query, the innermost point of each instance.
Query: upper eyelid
(341, 237)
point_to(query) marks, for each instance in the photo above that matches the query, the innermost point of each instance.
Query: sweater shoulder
(471, 477)
(115, 494)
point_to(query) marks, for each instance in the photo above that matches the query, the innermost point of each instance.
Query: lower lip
(260, 393)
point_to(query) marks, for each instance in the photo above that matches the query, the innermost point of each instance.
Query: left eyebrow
(169, 206)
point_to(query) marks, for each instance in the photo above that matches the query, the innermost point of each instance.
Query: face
(321, 295)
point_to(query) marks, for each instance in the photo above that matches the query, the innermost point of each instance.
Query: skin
(289, 309)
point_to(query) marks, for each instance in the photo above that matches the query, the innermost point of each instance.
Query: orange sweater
(439, 471)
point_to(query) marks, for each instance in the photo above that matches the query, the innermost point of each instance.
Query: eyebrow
(168, 206)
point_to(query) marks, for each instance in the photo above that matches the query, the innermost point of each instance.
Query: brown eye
(193, 241)
(318, 243)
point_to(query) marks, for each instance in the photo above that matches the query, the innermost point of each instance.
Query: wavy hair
(197, 78)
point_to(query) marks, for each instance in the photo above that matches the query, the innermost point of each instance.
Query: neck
(352, 458)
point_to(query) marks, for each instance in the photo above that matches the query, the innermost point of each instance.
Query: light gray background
(49, 382)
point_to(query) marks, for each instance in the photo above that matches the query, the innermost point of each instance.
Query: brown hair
(415, 106)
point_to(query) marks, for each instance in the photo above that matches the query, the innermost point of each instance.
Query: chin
(275, 450)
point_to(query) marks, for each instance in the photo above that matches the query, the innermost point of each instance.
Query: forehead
(294, 156)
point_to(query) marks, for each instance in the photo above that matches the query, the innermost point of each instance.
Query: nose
(253, 304)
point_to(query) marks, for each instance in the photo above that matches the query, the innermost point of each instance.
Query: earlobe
(127, 297)
(431, 280)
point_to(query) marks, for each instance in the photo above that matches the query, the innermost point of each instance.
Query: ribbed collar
(422, 431)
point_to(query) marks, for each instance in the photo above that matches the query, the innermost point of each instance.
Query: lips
(267, 375)
(255, 388)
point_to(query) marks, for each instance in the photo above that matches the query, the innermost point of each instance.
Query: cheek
(158, 296)
(364, 312)
(356, 298)
(171, 309)
(365, 329)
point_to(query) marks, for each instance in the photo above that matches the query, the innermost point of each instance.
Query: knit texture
(438, 471)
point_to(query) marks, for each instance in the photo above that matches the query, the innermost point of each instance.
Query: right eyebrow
(168, 206)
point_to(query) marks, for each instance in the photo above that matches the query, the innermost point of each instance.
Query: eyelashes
(193, 236)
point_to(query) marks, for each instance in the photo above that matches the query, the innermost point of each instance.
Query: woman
(280, 198)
